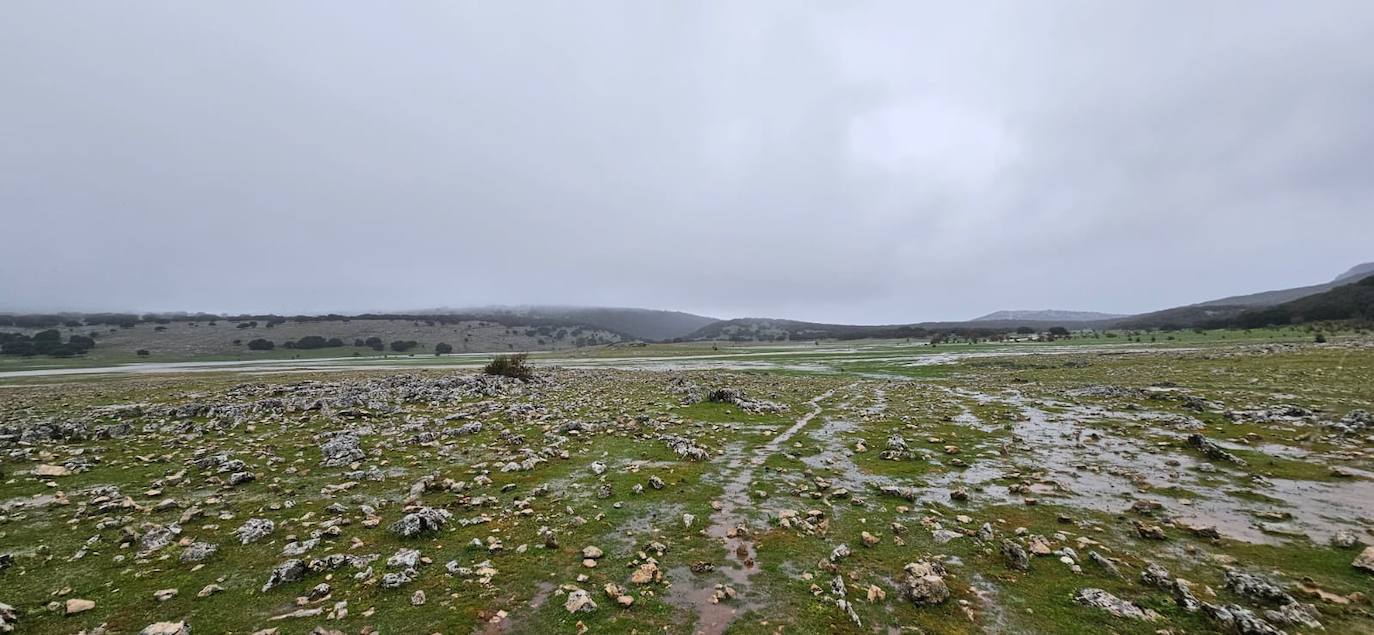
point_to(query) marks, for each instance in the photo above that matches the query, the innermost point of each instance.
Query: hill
(1353, 301)
(1356, 273)
(1279, 296)
(1222, 310)
(644, 324)
(119, 337)
(1047, 315)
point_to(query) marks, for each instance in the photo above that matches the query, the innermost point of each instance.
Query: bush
(510, 366)
(47, 342)
(1059, 331)
(315, 341)
(142, 352)
(22, 347)
(261, 345)
(401, 346)
(442, 348)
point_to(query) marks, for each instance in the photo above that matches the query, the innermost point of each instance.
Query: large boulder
(422, 520)
(1105, 601)
(925, 583)
(1365, 560)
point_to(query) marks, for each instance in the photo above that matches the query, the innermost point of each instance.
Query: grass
(968, 402)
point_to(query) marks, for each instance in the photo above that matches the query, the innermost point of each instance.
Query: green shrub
(510, 366)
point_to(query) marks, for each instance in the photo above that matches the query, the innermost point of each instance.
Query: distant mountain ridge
(1048, 315)
(1353, 300)
(1356, 273)
(1270, 298)
(1223, 309)
(618, 324)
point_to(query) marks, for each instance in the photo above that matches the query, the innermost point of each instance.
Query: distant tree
(142, 352)
(1059, 331)
(334, 342)
(1024, 330)
(311, 342)
(401, 346)
(261, 345)
(22, 347)
(375, 343)
(1320, 338)
(442, 348)
(359, 342)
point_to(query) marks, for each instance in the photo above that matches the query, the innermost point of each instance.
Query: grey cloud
(866, 162)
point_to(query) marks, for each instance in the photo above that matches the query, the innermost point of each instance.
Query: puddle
(1099, 468)
(714, 618)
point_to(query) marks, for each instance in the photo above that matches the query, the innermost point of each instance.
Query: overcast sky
(830, 161)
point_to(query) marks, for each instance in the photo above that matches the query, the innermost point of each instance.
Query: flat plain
(1212, 482)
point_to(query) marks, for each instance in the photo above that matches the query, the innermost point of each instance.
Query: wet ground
(796, 509)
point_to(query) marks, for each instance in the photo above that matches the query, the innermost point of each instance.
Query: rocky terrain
(1223, 487)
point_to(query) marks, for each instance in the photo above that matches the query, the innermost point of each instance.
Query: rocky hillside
(193, 339)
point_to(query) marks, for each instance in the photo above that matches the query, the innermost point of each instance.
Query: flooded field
(1079, 487)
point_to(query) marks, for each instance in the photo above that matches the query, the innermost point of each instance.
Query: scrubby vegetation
(311, 342)
(515, 366)
(47, 342)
